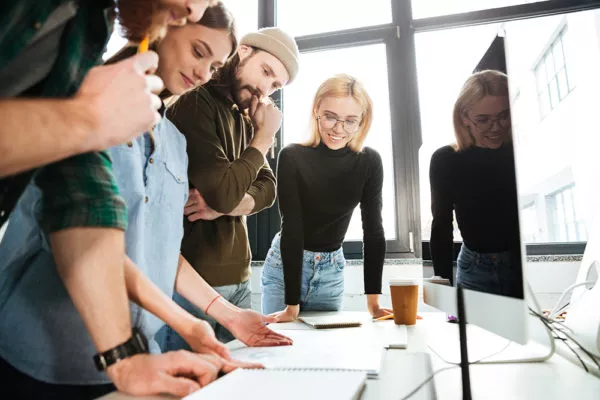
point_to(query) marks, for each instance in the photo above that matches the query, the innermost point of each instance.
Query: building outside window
(553, 80)
(565, 225)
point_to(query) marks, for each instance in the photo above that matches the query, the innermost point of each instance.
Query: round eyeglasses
(329, 122)
(485, 123)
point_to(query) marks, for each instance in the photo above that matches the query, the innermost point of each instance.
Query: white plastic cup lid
(404, 282)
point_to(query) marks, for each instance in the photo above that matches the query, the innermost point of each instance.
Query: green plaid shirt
(79, 191)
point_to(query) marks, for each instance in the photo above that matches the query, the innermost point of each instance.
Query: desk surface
(403, 370)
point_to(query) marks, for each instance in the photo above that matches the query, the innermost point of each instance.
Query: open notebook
(331, 321)
(346, 349)
(289, 384)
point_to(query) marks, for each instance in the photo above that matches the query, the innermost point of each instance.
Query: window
(434, 8)
(245, 13)
(298, 97)
(306, 17)
(553, 83)
(565, 224)
(553, 160)
(529, 225)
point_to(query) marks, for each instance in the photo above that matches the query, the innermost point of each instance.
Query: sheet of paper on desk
(259, 384)
(332, 321)
(351, 349)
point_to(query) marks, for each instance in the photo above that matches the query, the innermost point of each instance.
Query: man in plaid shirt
(58, 113)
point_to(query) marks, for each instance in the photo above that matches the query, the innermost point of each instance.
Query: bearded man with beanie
(230, 124)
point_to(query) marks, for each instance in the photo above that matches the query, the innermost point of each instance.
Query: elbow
(222, 201)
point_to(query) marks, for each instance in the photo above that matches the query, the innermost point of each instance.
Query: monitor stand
(485, 347)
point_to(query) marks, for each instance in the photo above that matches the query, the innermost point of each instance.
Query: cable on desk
(454, 365)
(549, 324)
(426, 381)
(480, 361)
(555, 310)
(586, 352)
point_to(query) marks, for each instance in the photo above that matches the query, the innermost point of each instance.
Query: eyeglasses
(329, 122)
(485, 123)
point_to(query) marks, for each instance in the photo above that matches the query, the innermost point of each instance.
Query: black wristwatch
(137, 344)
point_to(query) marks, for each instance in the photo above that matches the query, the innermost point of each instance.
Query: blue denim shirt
(41, 333)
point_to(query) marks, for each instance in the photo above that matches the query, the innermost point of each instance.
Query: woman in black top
(319, 184)
(475, 178)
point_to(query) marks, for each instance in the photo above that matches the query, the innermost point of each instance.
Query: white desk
(557, 378)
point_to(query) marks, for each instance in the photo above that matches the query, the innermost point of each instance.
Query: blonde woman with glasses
(319, 184)
(475, 179)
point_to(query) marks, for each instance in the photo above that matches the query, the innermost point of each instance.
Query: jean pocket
(273, 259)
(466, 262)
(339, 262)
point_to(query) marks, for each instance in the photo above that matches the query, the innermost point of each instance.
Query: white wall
(547, 279)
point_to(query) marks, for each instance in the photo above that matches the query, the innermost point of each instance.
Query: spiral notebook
(289, 384)
(331, 321)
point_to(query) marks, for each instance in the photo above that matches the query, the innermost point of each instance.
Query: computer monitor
(502, 315)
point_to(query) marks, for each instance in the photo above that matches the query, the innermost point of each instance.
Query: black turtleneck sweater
(318, 189)
(479, 185)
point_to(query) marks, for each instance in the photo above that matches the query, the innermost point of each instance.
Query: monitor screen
(473, 185)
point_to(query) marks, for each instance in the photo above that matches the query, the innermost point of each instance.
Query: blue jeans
(322, 280)
(239, 295)
(495, 273)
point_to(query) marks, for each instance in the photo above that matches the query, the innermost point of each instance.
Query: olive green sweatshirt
(223, 169)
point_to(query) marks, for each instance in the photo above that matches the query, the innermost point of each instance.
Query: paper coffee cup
(405, 297)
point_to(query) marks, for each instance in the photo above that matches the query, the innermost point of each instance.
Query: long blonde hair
(343, 85)
(479, 85)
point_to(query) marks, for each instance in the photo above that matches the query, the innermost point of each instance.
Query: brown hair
(138, 18)
(479, 85)
(343, 85)
(219, 17)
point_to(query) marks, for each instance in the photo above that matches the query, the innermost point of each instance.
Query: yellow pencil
(143, 46)
(389, 316)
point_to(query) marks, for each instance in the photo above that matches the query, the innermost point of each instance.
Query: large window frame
(549, 82)
(399, 38)
(403, 101)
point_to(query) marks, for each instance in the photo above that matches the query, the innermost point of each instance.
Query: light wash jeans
(322, 280)
(239, 295)
(496, 273)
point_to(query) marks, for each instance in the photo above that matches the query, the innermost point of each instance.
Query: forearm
(244, 208)
(372, 301)
(263, 190)
(39, 132)
(197, 291)
(374, 257)
(442, 248)
(147, 295)
(90, 263)
(292, 244)
(224, 184)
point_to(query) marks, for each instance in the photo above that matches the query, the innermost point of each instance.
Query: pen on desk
(390, 316)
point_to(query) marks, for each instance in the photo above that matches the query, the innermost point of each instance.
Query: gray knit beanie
(277, 43)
